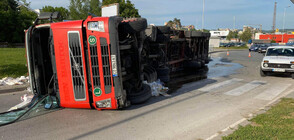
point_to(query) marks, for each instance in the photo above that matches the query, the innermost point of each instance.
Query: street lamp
(284, 23)
(203, 15)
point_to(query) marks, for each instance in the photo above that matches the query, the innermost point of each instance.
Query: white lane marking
(220, 85)
(245, 88)
(272, 91)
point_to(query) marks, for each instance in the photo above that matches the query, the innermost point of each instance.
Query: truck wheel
(141, 96)
(262, 73)
(164, 79)
(193, 64)
(152, 73)
(163, 30)
(292, 75)
(162, 71)
(134, 26)
(162, 38)
(147, 77)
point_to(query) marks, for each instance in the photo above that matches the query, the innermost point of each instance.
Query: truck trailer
(101, 62)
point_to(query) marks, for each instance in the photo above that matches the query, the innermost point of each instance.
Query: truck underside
(108, 73)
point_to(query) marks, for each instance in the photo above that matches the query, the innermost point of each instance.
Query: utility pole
(203, 15)
(284, 23)
(234, 22)
(274, 19)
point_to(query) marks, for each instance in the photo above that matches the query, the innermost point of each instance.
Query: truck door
(70, 64)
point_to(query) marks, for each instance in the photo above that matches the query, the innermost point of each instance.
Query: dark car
(229, 44)
(239, 44)
(254, 47)
(262, 48)
(222, 44)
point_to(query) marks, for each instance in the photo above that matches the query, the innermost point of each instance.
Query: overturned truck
(101, 62)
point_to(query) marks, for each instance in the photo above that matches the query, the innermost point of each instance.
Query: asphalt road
(198, 110)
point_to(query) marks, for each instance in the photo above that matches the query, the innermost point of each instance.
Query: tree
(64, 13)
(246, 35)
(176, 23)
(232, 35)
(80, 9)
(126, 8)
(14, 20)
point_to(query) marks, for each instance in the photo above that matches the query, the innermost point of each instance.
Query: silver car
(278, 59)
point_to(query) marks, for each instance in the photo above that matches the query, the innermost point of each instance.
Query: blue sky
(218, 13)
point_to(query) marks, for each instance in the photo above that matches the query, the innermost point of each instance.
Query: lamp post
(203, 15)
(284, 23)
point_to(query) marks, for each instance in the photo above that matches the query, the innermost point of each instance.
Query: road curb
(224, 50)
(14, 88)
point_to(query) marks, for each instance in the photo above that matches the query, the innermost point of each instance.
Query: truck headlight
(292, 66)
(104, 103)
(96, 26)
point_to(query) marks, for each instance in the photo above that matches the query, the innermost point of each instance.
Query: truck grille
(95, 66)
(76, 62)
(106, 65)
(279, 65)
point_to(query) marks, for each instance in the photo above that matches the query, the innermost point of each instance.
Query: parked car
(239, 44)
(278, 59)
(229, 44)
(222, 44)
(262, 48)
(254, 47)
(290, 44)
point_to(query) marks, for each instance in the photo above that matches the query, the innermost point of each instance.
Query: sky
(217, 13)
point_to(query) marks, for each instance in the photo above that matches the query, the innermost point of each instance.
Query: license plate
(279, 70)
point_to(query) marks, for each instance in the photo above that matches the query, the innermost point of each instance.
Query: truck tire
(152, 73)
(134, 26)
(162, 71)
(141, 96)
(292, 75)
(164, 79)
(163, 29)
(193, 64)
(162, 38)
(147, 77)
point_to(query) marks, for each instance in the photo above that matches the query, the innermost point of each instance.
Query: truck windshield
(280, 52)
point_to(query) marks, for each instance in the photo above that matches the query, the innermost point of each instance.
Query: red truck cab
(79, 62)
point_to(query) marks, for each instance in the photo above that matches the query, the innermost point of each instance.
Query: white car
(278, 59)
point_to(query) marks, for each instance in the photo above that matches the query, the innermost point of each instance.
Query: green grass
(12, 62)
(233, 47)
(276, 124)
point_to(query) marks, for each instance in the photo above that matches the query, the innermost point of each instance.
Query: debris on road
(26, 99)
(36, 106)
(157, 88)
(14, 81)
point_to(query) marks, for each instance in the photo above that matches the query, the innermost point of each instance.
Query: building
(279, 38)
(221, 34)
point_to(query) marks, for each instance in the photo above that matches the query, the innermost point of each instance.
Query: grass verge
(12, 62)
(277, 123)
